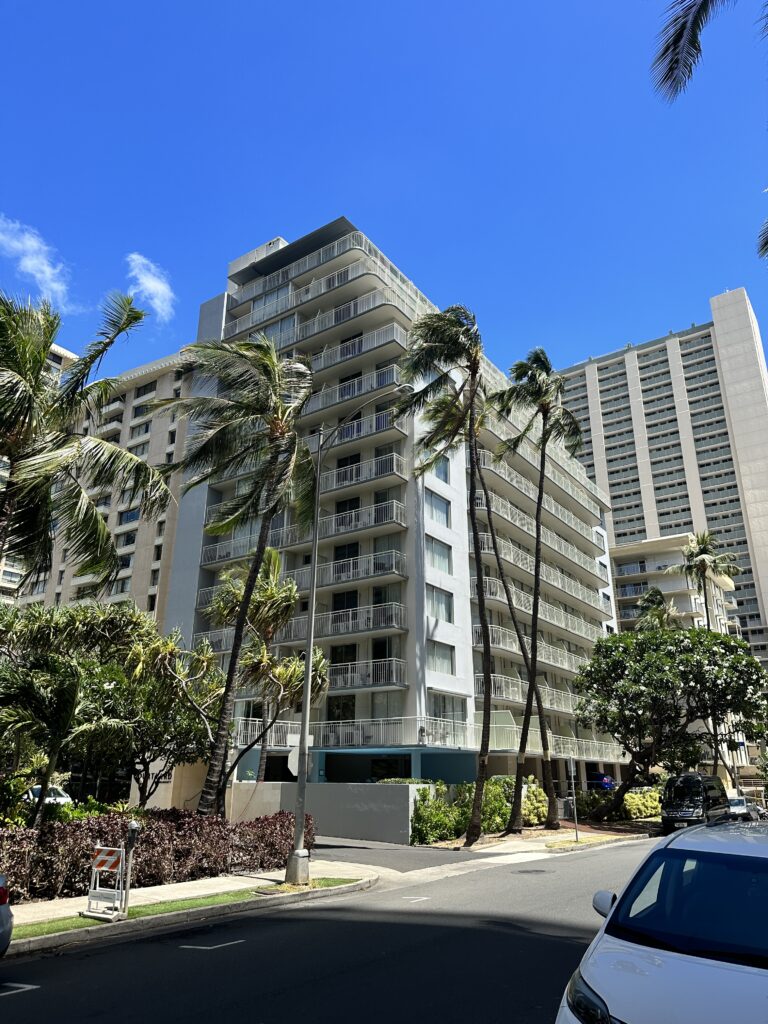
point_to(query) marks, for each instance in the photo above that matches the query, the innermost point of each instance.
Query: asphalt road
(488, 942)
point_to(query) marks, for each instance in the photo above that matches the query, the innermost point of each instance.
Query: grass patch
(67, 924)
(315, 883)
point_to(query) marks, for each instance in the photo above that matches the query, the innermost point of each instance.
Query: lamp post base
(297, 869)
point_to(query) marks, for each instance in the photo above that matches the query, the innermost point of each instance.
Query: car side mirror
(603, 902)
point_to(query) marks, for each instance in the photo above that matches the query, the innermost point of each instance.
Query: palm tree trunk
(209, 801)
(515, 818)
(474, 828)
(6, 510)
(715, 747)
(265, 727)
(45, 781)
(706, 605)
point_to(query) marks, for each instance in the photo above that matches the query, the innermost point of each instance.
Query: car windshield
(683, 790)
(692, 902)
(737, 801)
(55, 791)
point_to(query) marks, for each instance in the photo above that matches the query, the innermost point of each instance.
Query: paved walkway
(51, 910)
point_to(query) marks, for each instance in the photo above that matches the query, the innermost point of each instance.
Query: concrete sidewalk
(52, 910)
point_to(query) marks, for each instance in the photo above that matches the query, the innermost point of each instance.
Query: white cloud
(151, 284)
(36, 259)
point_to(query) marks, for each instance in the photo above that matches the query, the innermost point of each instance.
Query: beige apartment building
(145, 547)
(674, 434)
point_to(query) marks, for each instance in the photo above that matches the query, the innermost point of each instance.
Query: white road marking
(221, 945)
(16, 988)
(415, 899)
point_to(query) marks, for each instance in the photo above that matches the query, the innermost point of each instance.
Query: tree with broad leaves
(536, 390)
(53, 467)
(680, 51)
(645, 690)
(245, 418)
(704, 564)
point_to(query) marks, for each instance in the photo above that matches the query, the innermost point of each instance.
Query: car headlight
(584, 1003)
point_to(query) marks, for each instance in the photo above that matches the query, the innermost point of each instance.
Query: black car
(692, 799)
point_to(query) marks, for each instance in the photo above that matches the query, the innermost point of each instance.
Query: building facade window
(145, 389)
(445, 705)
(442, 469)
(441, 657)
(439, 555)
(438, 508)
(130, 515)
(439, 603)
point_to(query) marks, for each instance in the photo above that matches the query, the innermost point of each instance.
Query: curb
(603, 843)
(123, 931)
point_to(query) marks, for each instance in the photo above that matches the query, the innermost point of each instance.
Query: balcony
(377, 470)
(277, 307)
(356, 240)
(355, 348)
(247, 729)
(114, 425)
(351, 570)
(353, 389)
(375, 618)
(494, 590)
(505, 640)
(395, 732)
(516, 691)
(527, 488)
(376, 299)
(511, 514)
(219, 639)
(380, 423)
(386, 673)
(370, 517)
(522, 560)
(228, 550)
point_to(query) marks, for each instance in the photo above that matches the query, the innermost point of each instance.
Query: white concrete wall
(345, 810)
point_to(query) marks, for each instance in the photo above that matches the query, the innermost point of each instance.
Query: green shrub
(433, 819)
(535, 805)
(642, 803)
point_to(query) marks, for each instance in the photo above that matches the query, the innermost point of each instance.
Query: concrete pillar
(581, 769)
(415, 764)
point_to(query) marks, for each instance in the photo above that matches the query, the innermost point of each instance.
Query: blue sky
(511, 157)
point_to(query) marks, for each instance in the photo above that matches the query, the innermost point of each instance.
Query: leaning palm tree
(703, 563)
(444, 364)
(536, 390)
(245, 419)
(680, 51)
(52, 466)
(657, 613)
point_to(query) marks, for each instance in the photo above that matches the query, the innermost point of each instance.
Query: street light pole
(297, 869)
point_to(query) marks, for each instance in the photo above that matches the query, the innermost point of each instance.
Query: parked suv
(692, 799)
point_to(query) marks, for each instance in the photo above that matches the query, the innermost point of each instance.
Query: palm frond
(680, 43)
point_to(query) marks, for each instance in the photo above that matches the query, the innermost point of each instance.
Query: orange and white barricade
(105, 902)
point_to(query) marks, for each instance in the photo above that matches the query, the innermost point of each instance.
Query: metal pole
(133, 834)
(572, 767)
(297, 869)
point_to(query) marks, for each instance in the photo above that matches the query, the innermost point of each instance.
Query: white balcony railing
(386, 513)
(219, 639)
(494, 588)
(350, 570)
(335, 354)
(227, 550)
(521, 483)
(424, 732)
(362, 472)
(364, 675)
(357, 429)
(506, 640)
(516, 691)
(512, 514)
(350, 310)
(369, 618)
(515, 556)
(351, 389)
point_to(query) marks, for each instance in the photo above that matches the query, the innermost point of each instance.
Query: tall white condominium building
(145, 547)
(11, 570)
(674, 432)
(396, 615)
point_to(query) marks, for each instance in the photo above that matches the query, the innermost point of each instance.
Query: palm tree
(444, 364)
(246, 420)
(51, 465)
(680, 51)
(536, 390)
(703, 562)
(657, 613)
(272, 605)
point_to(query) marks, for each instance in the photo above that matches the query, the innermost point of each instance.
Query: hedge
(436, 818)
(638, 803)
(173, 846)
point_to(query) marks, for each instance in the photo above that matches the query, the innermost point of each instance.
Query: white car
(685, 941)
(6, 917)
(55, 795)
